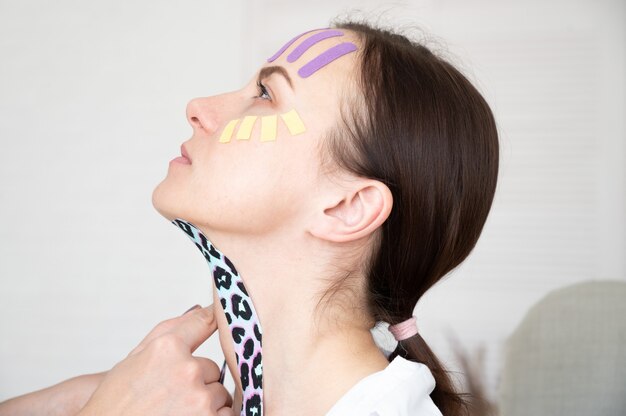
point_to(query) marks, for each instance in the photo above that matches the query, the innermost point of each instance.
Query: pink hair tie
(405, 329)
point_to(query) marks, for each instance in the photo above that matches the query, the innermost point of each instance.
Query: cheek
(252, 187)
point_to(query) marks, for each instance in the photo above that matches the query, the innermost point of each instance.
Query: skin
(289, 226)
(159, 377)
(65, 398)
(162, 377)
(285, 222)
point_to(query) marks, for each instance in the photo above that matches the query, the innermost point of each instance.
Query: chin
(162, 199)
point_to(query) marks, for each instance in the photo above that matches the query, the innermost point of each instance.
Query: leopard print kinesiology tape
(241, 316)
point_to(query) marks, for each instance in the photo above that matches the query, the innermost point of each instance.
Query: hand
(62, 399)
(162, 377)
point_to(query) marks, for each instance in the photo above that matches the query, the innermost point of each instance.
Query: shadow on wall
(567, 357)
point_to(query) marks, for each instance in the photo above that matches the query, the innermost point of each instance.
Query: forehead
(317, 55)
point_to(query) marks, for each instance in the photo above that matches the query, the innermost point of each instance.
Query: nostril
(199, 115)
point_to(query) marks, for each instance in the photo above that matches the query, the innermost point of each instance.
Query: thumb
(195, 326)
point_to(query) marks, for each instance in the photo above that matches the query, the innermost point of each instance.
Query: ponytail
(449, 402)
(418, 125)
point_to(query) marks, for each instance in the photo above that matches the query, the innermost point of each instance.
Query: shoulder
(401, 389)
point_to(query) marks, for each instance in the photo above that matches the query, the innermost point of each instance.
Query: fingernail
(192, 308)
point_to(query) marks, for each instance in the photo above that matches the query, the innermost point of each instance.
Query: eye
(263, 94)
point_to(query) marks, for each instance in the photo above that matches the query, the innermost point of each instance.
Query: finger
(225, 411)
(156, 332)
(219, 396)
(161, 328)
(195, 327)
(210, 370)
(192, 308)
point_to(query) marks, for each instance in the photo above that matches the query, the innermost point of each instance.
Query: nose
(201, 116)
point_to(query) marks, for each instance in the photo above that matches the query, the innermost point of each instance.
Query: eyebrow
(275, 69)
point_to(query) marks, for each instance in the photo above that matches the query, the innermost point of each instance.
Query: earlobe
(359, 213)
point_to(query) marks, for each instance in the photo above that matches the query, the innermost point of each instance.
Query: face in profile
(254, 158)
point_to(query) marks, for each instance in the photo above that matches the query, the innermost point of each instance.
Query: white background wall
(92, 108)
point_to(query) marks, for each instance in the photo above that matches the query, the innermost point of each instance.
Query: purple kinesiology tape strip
(325, 58)
(288, 44)
(241, 316)
(310, 41)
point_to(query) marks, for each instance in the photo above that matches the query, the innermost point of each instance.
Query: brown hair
(420, 127)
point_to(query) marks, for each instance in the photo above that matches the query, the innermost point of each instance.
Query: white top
(402, 389)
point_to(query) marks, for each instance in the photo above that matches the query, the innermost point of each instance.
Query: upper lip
(183, 152)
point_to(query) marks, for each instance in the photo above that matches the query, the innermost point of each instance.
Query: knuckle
(218, 394)
(191, 369)
(165, 342)
(206, 316)
(166, 325)
(214, 368)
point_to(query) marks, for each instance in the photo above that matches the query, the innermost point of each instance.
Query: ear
(360, 212)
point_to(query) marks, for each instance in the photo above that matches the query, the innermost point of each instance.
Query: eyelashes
(263, 93)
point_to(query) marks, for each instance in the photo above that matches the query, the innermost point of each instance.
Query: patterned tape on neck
(242, 319)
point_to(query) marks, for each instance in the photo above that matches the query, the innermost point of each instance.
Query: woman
(341, 184)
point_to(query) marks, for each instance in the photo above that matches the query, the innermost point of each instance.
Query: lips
(184, 153)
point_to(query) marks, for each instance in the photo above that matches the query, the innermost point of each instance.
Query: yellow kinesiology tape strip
(268, 128)
(228, 131)
(246, 127)
(293, 122)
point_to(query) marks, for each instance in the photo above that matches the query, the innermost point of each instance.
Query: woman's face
(254, 152)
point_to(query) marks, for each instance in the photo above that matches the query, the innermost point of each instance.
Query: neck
(306, 347)
(308, 374)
